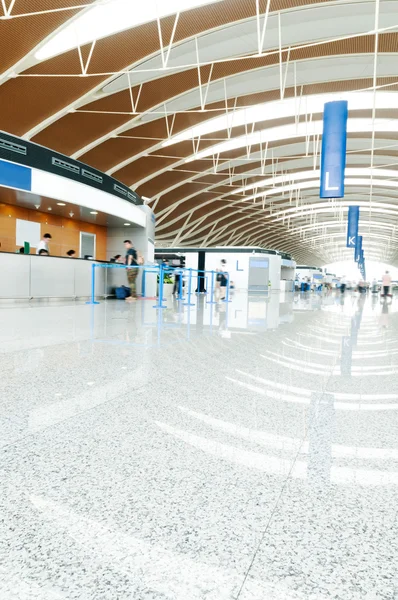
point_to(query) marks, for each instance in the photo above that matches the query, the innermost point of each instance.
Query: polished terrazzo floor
(245, 451)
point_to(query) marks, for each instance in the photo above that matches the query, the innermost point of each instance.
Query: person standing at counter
(71, 253)
(43, 244)
(132, 271)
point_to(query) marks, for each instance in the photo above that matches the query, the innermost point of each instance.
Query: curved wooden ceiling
(213, 66)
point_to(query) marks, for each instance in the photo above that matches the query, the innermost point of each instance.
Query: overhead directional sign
(352, 228)
(334, 149)
(358, 249)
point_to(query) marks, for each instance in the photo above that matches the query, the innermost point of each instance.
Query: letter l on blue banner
(352, 228)
(334, 149)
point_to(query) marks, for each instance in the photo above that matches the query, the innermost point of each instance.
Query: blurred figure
(118, 258)
(21, 251)
(178, 275)
(375, 286)
(43, 244)
(386, 284)
(132, 271)
(223, 279)
(343, 284)
(71, 253)
(43, 252)
(384, 317)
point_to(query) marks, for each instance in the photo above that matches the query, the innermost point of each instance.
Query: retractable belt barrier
(160, 271)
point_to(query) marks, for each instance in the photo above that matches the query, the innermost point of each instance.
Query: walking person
(132, 270)
(386, 284)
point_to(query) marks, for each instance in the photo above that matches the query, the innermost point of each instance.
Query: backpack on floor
(122, 292)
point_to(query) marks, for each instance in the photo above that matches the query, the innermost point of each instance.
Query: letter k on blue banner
(352, 228)
(334, 149)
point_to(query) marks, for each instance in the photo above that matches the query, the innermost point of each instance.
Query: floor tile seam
(284, 486)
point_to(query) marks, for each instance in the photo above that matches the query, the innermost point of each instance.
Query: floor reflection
(200, 451)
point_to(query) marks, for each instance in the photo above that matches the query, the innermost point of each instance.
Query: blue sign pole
(358, 248)
(352, 227)
(334, 149)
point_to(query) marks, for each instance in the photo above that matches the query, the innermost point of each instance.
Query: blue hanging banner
(352, 228)
(358, 248)
(334, 149)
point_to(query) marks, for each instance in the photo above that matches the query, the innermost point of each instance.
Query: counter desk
(33, 277)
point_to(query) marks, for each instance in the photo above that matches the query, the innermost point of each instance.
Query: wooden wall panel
(65, 232)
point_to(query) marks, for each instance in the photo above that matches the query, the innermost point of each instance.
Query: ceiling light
(127, 224)
(307, 185)
(61, 204)
(103, 20)
(282, 109)
(93, 212)
(290, 177)
(293, 131)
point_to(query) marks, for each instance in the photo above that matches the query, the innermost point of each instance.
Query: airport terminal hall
(199, 300)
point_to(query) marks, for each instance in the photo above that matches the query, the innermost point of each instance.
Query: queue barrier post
(92, 300)
(160, 297)
(143, 284)
(180, 286)
(189, 303)
(212, 301)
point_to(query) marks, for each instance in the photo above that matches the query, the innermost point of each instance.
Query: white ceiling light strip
(325, 207)
(307, 185)
(292, 131)
(301, 175)
(109, 17)
(282, 109)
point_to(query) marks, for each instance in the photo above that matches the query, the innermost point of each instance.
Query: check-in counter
(31, 276)
(287, 285)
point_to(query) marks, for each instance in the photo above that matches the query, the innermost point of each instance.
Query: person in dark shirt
(223, 278)
(132, 270)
